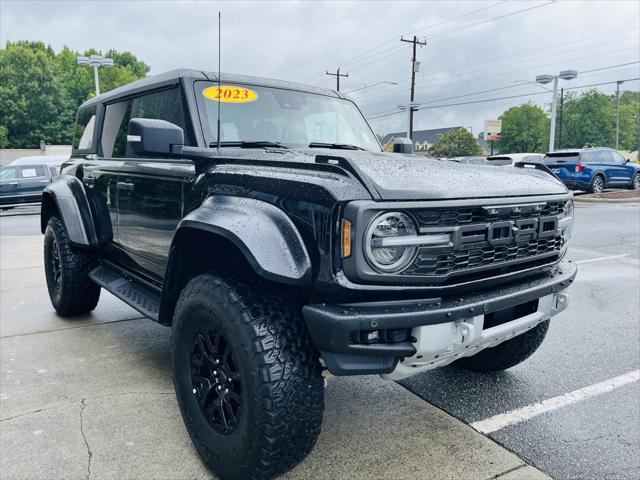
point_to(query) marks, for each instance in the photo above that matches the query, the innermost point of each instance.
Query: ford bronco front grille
(486, 237)
(430, 263)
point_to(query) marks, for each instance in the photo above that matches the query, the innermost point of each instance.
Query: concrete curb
(606, 200)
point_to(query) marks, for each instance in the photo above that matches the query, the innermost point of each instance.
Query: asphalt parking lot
(595, 340)
(93, 397)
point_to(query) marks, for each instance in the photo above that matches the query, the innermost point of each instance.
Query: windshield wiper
(247, 144)
(341, 146)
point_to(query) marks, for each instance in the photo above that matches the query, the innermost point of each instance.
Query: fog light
(373, 336)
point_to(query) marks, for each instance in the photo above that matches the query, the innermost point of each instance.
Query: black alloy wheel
(216, 381)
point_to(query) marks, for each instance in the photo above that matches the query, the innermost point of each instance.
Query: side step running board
(133, 293)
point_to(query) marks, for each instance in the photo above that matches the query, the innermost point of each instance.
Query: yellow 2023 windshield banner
(230, 94)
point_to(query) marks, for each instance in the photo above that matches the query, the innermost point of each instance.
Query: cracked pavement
(92, 398)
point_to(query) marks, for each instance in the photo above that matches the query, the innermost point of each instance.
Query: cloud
(301, 40)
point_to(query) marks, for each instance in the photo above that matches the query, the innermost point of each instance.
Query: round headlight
(383, 242)
(566, 220)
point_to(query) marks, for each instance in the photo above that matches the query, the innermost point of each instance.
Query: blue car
(593, 169)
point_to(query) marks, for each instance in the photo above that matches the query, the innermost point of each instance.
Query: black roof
(421, 136)
(173, 77)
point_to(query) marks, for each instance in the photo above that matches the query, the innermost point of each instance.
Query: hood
(412, 177)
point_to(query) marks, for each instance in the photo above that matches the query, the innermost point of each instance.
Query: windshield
(289, 117)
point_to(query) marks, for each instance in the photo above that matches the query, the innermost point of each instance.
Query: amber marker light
(346, 238)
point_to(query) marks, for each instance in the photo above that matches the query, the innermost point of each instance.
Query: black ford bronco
(263, 223)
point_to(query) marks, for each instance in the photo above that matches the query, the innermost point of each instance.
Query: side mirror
(627, 160)
(149, 135)
(403, 145)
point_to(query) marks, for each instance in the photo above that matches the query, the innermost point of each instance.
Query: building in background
(422, 139)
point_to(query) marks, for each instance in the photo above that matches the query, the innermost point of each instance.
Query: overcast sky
(472, 46)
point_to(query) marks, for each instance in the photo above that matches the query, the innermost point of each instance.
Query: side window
(85, 123)
(34, 171)
(114, 129)
(604, 156)
(617, 158)
(163, 105)
(8, 173)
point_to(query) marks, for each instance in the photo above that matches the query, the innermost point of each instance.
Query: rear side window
(163, 105)
(596, 156)
(85, 123)
(34, 171)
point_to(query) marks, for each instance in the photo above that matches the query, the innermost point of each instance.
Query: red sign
(494, 138)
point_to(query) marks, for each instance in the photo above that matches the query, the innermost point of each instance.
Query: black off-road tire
(278, 374)
(507, 354)
(70, 289)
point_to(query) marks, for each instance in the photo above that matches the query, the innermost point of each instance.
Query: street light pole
(554, 103)
(544, 79)
(96, 61)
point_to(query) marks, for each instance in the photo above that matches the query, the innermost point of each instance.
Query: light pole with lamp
(96, 61)
(544, 79)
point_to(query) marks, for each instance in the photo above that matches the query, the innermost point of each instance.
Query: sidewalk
(93, 398)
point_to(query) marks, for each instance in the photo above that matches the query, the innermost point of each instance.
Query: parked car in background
(593, 169)
(508, 159)
(24, 183)
(53, 161)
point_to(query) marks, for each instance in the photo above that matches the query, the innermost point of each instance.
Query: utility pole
(561, 109)
(338, 75)
(415, 66)
(618, 83)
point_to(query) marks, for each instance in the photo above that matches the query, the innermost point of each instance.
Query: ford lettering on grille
(486, 236)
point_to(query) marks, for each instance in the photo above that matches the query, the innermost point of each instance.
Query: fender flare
(67, 196)
(264, 234)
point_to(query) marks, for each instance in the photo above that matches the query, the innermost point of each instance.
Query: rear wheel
(247, 377)
(508, 354)
(597, 184)
(635, 184)
(67, 269)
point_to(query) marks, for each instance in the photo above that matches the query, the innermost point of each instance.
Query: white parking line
(601, 259)
(514, 417)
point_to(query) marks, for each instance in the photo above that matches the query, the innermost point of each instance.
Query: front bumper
(441, 329)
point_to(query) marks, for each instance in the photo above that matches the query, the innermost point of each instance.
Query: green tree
(458, 143)
(630, 126)
(589, 119)
(40, 90)
(32, 97)
(4, 139)
(524, 129)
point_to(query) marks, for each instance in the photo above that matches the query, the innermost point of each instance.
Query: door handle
(125, 186)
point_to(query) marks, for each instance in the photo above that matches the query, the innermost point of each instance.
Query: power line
(537, 50)
(468, 76)
(422, 107)
(458, 29)
(492, 67)
(353, 59)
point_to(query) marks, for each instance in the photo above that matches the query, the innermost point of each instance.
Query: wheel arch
(234, 233)
(67, 199)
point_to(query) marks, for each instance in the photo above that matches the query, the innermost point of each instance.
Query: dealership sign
(492, 129)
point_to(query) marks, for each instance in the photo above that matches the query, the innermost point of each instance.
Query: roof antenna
(219, 55)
